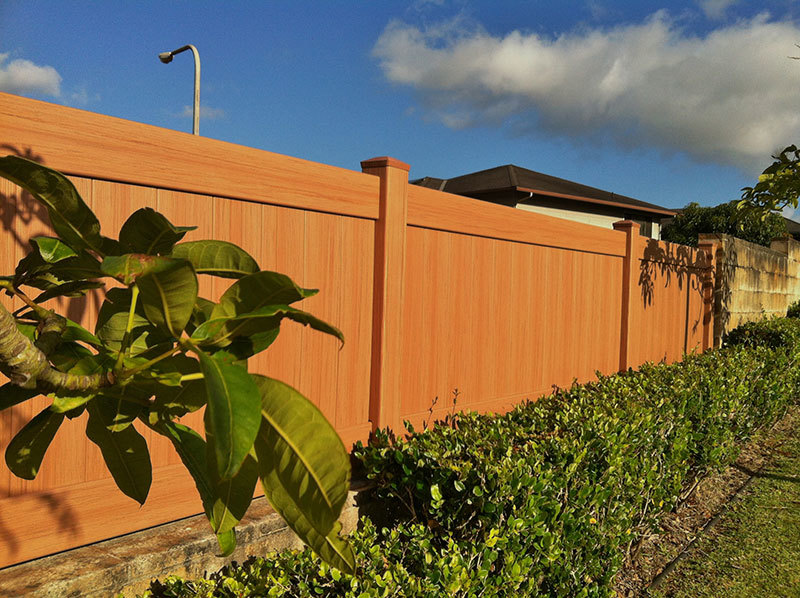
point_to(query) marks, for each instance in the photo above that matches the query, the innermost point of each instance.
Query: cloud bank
(730, 96)
(23, 77)
(716, 9)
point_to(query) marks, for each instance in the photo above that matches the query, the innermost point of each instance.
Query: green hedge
(773, 333)
(544, 500)
(793, 310)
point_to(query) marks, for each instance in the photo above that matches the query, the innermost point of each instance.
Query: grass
(754, 548)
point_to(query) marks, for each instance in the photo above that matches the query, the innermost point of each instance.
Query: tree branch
(26, 364)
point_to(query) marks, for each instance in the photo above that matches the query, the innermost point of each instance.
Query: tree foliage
(778, 186)
(726, 218)
(160, 351)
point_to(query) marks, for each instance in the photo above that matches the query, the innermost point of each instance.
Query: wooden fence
(435, 293)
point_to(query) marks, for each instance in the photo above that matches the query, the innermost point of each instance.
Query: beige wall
(603, 220)
(753, 282)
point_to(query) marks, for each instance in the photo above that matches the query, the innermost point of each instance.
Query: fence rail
(434, 292)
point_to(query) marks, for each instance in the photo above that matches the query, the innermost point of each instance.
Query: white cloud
(596, 9)
(206, 112)
(82, 97)
(716, 9)
(22, 77)
(730, 96)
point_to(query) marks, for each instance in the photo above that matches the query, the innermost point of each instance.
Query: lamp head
(165, 57)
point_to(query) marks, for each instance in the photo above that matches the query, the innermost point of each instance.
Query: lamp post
(166, 58)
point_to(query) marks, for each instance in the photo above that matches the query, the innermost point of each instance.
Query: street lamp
(166, 58)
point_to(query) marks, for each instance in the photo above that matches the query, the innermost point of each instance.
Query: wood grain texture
(499, 320)
(433, 209)
(96, 146)
(318, 249)
(389, 269)
(32, 525)
(438, 296)
(669, 307)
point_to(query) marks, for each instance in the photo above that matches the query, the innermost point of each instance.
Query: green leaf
(176, 401)
(53, 250)
(113, 320)
(62, 404)
(81, 267)
(258, 290)
(233, 414)
(31, 266)
(174, 398)
(304, 467)
(70, 217)
(11, 394)
(75, 288)
(200, 313)
(227, 542)
(245, 347)
(148, 231)
(168, 295)
(225, 502)
(110, 246)
(191, 448)
(334, 549)
(125, 403)
(125, 452)
(26, 450)
(76, 332)
(28, 330)
(221, 331)
(86, 364)
(218, 258)
(202, 309)
(231, 497)
(169, 371)
(68, 354)
(127, 268)
(34, 271)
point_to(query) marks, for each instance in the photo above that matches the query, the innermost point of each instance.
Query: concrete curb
(127, 564)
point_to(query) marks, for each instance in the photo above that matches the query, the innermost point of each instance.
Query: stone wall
(752, 282)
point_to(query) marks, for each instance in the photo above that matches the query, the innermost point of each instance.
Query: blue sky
(666, 102)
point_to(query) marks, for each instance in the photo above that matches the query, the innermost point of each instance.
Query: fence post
(388, 284)
(631, 230)
(708, 280)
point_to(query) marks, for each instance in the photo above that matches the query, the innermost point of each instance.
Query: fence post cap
(625, 225)
(383, 162)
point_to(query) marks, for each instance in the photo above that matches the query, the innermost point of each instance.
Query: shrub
(543, 500)
(794, 310)
(774, 333)
(726, 219)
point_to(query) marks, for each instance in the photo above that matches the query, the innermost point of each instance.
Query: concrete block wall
(752, 282)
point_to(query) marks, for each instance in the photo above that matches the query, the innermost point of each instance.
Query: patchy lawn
(753, 549)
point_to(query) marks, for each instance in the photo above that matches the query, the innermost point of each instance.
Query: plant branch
(124, 350)
(26, 364)
(40, 311)
(128, 373)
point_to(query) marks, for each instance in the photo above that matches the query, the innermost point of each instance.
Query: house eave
(593, 200)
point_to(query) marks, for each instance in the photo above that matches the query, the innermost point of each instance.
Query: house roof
(792, 227)
(515, 178)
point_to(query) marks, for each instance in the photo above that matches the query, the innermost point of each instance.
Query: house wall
(753, 282)
(434, 292)
(604, 218)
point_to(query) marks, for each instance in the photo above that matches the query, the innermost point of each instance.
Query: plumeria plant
(160, 351)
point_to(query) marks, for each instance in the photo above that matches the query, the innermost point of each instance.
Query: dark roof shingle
(511, 177)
